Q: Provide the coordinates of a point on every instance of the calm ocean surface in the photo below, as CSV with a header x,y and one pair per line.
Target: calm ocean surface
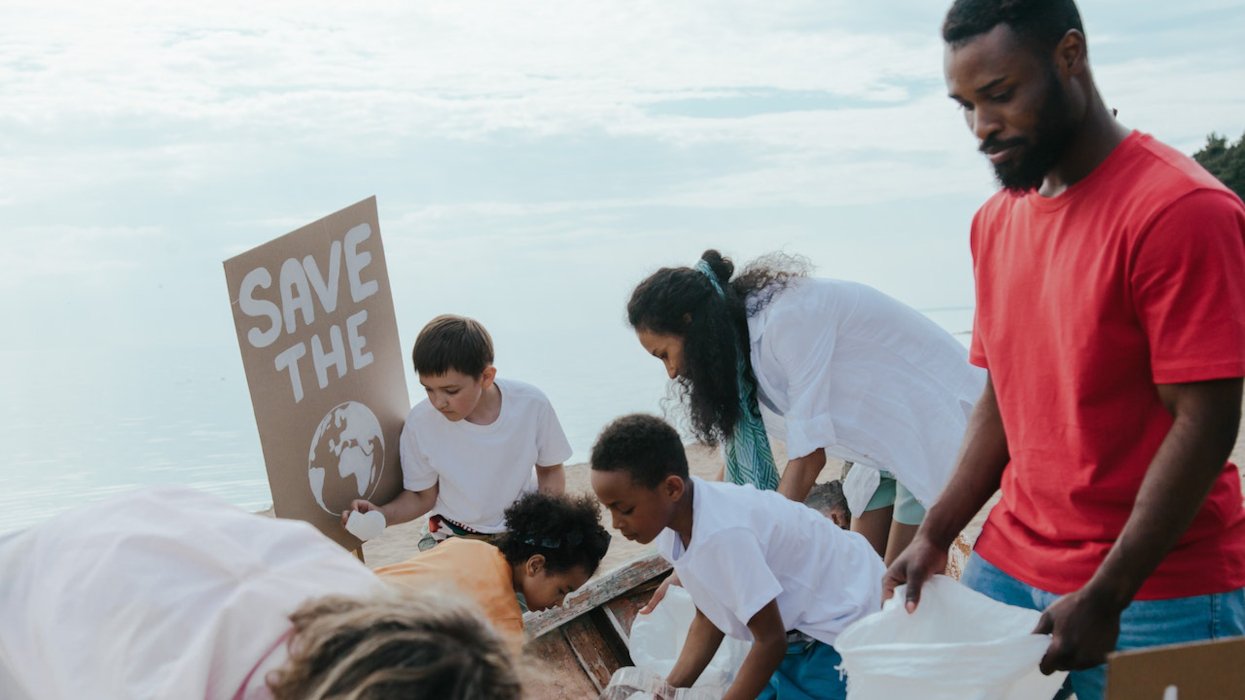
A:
x,y
167,414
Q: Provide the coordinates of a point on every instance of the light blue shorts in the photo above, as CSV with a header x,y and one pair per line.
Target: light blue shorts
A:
x,y
908,510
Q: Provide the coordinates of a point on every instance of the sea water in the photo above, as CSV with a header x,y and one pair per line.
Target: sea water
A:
x,y
79,425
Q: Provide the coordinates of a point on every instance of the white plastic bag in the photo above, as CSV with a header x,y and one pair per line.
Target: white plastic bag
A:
x,y
632,683
958,645
657,639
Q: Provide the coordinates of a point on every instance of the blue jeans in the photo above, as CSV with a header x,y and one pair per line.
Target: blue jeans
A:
x,y
1145,623
808,672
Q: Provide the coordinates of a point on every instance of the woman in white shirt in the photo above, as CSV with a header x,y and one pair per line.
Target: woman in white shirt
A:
x,y
171,593
854,374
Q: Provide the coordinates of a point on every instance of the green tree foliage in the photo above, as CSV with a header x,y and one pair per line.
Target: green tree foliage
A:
x,y
1225,161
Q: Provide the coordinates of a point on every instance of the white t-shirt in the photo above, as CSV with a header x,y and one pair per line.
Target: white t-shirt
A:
x,y
750,547
482,469
159,593
869,379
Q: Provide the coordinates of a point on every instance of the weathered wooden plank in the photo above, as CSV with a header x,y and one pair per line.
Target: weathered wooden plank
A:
x,y
603,590
596,649
623,634
624,609
551,670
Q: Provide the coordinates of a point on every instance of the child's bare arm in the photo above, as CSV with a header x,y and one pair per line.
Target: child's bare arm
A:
x,y
769,645
800,475
551,480
407,506
703,640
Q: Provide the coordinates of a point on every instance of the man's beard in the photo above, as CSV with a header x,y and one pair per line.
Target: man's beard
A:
x,y
1056,128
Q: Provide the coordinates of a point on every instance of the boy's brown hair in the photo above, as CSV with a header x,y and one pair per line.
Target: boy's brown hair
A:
x,y
451,342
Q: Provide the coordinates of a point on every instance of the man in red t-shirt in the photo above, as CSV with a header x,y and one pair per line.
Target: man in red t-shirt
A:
x,y
1110,276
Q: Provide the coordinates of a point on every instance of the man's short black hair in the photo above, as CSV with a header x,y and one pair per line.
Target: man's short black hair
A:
x,y
644,446
1043,23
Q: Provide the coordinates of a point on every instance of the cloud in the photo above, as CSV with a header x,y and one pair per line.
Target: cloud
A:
x,y
460,69
75,253
1180,99
838,100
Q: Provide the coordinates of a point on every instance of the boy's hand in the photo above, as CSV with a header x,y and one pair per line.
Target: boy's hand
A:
x,y
660,593
360,505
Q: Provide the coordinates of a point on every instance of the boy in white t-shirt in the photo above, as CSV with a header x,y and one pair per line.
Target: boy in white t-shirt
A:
x,y
475,444
758,566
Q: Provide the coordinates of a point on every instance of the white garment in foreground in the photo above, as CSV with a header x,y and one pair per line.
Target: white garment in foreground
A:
x,y
750,547
482,469
958,645
160,593
867,378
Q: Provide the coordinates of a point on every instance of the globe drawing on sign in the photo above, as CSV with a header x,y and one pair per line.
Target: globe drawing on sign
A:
x,y
347,456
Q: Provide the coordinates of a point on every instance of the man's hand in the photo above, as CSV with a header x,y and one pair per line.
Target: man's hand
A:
x,y
360,505
1083,628
660,593
1086,624
983,456
916,565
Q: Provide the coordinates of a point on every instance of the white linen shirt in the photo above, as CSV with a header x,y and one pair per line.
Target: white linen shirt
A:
x,y
160,593
482,469
751,547
865,377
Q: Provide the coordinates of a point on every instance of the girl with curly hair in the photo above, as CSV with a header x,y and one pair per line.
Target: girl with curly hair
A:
x,y
552,546
853,373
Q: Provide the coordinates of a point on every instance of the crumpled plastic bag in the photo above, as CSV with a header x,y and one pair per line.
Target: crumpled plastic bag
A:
x,y
633,683
657,639
958,645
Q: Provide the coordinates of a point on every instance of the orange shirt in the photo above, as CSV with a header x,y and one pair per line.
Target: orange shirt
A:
x,y
472,568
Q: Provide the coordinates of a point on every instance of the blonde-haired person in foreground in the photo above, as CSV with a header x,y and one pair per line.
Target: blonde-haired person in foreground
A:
x,y
170,593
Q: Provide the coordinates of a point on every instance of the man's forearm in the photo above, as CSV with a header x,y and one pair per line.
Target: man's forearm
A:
x,y
977,475
1190,458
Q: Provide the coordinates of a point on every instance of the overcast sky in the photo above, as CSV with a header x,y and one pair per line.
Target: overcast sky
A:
x,y
138,133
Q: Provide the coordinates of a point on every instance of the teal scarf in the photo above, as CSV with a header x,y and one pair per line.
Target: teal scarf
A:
x,y
749,459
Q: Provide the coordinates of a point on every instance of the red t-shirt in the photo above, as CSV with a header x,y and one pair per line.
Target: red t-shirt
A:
x,y
1135,276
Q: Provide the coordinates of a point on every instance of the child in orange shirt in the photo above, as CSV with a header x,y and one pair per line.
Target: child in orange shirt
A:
x,y
552,545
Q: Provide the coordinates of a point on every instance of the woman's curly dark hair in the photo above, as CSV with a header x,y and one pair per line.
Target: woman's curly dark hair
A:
x,y
681,301
565,529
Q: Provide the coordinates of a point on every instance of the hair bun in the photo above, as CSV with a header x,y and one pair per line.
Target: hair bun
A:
x,y
722,267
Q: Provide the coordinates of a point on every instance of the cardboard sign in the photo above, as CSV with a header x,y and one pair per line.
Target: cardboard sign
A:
x,y
1198,671
320,347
